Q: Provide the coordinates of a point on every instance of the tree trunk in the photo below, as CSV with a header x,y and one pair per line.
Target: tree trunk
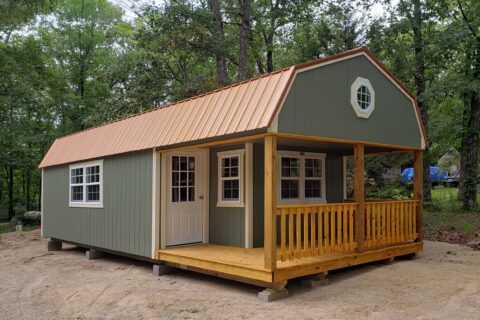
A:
x,y
269,43
244,36
28,182
420,86
219,33
470,139
11,211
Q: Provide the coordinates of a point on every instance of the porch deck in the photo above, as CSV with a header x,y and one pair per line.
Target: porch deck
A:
x,y
247,265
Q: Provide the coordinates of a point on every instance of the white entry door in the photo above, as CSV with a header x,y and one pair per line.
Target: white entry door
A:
x,y
184,198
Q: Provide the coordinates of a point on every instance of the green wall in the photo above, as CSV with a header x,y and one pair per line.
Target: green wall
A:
x,y
124,222
226,225
318,104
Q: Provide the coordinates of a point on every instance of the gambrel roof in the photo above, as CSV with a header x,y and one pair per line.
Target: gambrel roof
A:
x,y
241,109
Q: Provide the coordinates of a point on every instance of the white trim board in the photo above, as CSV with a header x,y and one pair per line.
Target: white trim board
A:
x,y
155,202
248,195
274,125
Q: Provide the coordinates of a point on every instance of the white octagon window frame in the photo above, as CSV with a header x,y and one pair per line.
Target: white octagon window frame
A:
x,y
362,113
84,203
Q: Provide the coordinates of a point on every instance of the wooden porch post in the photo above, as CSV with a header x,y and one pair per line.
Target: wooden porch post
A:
x,y
269,241
418,190
359,176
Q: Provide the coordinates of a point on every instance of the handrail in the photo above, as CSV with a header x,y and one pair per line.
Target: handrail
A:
x,y
318,229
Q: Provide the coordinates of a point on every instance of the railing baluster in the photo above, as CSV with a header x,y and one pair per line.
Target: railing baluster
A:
x,y
305,232
326,226
332,228
312,231
345,228
298,233
283,234
320,230
290,234
350,230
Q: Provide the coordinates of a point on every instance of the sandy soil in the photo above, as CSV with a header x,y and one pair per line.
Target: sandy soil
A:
x,y
442,283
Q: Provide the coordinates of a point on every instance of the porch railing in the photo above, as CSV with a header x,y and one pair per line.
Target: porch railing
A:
x,y
320,229
312,230
390,222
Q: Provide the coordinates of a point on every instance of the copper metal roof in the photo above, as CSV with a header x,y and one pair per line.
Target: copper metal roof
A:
x,y
243,107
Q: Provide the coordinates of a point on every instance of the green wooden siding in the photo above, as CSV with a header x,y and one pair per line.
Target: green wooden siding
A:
x,y
318,104
226,225
124,222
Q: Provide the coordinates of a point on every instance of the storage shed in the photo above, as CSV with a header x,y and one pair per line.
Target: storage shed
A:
x,y
246,182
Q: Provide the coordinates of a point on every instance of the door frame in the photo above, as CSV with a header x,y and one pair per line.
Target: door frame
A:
x,y
164,174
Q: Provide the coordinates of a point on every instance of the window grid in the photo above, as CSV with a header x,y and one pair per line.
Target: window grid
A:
x,y
230,178
183,179
363,97
301,177
85,184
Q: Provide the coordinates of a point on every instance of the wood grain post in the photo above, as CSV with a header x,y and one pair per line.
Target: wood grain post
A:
x,y
418,191
270,233
359,176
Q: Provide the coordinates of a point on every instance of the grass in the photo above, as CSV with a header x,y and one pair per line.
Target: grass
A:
x,y
4,228
445,220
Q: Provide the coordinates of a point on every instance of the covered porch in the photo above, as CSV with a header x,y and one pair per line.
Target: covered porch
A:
x,y
311,238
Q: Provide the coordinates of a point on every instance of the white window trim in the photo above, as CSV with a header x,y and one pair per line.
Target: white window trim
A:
x,y
359,81
240,203
85,203
302,178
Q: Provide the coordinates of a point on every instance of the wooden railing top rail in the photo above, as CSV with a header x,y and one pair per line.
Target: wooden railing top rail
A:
x,y
382,201
288,206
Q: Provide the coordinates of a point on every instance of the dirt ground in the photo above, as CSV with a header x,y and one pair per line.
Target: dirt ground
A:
x,y
442,283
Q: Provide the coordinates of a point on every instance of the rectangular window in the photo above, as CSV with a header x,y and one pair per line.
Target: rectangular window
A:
x,y
230,178
86,184
301,177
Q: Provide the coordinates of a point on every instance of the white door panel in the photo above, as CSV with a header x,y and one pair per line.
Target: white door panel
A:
x,y
184,198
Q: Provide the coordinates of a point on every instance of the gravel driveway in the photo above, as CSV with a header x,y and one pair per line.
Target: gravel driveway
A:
x,y
442,283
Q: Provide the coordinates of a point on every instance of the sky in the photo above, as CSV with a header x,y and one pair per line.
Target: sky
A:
x,y
377,10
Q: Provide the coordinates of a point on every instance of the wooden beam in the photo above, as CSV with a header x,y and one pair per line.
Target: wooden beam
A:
x,y
270,146
359,196
418,191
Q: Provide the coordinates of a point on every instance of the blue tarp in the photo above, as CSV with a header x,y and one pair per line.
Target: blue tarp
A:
x,y
436,174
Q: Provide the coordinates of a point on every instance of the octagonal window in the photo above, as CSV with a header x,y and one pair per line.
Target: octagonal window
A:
x,y
362,97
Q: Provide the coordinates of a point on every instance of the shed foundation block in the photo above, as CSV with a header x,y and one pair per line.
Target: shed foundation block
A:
x,y
389,260
315,280
93,254
54,245
269,295
161,269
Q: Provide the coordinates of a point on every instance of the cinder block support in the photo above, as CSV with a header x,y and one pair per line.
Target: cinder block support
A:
x,y
54,245
269,295
92,254
279,291
389,260
316,280
162,269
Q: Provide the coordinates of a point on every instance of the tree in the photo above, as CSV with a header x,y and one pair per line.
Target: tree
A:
x,y
470,143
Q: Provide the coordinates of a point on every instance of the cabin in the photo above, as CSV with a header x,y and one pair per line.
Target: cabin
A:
x,y
246,182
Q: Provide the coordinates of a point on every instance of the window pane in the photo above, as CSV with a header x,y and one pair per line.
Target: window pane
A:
x,y
290,167
191,163
76,176
312,188
77,193
313,168
93,192
183,194
231,190
183,163
191,178
191,194
93,174
234,161
175,195
175,163
225,172
175,179
234,172
289,189
183,178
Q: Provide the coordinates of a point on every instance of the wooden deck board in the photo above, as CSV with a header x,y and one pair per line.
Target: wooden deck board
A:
x,y
247,265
